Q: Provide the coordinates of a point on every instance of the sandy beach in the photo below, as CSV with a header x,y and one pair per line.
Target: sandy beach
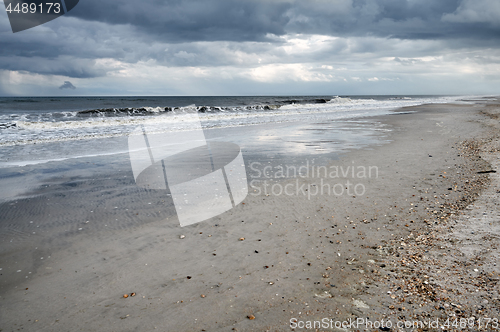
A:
x,y
402,229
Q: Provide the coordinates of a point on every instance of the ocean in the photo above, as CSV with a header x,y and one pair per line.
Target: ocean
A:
x,y
42,129
55,140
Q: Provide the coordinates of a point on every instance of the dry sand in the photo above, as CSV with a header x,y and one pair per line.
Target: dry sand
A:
x,y
398,251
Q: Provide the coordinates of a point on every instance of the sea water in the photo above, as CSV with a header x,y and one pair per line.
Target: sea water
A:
x,y
42,129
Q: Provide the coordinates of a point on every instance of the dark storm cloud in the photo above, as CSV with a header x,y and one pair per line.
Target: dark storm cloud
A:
x,y
192,20
64,66
404,19
208,33
198,20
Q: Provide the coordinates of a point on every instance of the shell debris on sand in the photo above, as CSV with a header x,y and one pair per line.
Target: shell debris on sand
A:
x,y
251,317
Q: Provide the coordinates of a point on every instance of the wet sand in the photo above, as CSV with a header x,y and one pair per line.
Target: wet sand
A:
x,y
381,254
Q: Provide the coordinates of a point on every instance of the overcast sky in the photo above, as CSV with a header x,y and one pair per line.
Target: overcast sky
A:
x,y
257,47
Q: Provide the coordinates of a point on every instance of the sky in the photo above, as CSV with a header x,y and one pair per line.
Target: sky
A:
x,y
256,47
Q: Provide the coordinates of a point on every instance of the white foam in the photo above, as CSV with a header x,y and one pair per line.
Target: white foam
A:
x,y
44,161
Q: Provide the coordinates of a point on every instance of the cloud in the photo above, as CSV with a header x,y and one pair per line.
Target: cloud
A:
x,y
213,46
409,19
194,20
256,20
67,85
476,11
